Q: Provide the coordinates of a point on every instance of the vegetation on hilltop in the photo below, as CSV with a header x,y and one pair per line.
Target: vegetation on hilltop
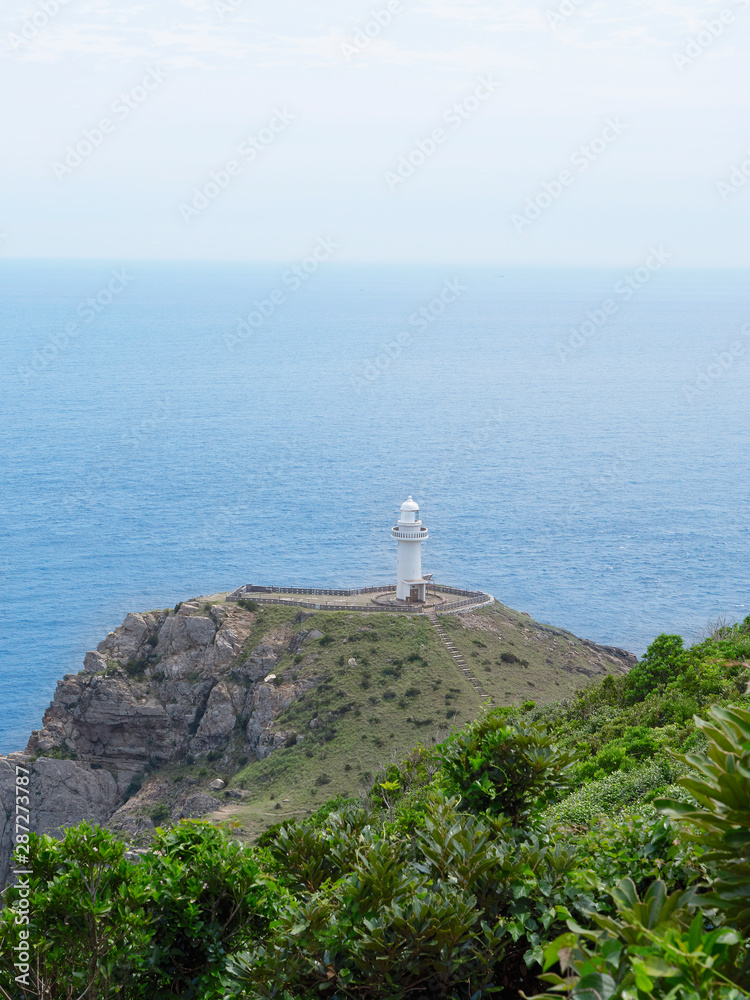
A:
x,y
594,848
405,689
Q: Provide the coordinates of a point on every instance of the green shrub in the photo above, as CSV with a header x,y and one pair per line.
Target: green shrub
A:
x,y
651,948
135,786
720,785
664,661
614,792
505,768
248,605
159,813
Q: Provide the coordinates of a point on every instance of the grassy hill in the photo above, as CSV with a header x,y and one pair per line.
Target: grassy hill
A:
x,y
403,689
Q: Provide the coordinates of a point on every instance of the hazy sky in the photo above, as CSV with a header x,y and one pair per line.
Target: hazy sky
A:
x,y
402,130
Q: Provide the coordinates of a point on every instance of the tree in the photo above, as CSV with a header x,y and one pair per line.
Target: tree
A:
x,y
505,768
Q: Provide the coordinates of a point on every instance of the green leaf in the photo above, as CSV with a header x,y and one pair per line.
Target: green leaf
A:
x,y
655,966
598,986
642,979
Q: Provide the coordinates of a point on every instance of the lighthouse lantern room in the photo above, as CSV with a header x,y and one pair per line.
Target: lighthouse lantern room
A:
x,y
409,532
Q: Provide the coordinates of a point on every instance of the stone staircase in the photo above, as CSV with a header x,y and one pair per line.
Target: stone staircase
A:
x,y
442,632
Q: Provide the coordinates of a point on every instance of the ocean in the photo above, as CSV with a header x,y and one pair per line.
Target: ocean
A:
x,y
577,440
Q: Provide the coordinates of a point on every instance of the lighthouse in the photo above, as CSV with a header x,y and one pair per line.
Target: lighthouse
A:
x,y
409,532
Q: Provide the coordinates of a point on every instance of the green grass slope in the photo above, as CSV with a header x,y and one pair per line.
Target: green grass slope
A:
x,y
517,658
405,690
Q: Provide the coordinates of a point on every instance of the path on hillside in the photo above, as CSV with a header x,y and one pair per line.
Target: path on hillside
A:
x,y
441,631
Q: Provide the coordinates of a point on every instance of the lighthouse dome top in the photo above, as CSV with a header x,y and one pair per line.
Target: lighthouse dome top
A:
x,y
409,505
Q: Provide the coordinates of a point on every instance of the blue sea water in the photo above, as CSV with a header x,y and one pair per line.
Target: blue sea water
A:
x,y
150,454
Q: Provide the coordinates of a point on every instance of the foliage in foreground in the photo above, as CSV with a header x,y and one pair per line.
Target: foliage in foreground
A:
x,y
690,945
530,848
102,926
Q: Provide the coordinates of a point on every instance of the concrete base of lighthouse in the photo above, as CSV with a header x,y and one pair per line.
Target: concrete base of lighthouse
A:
x,y
389,599
412,591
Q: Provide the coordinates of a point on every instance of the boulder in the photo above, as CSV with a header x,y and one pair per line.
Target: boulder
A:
x,y
94,662
201,631
219,718
198,805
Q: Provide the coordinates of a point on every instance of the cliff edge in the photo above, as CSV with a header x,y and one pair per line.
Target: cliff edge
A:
x,y
172,698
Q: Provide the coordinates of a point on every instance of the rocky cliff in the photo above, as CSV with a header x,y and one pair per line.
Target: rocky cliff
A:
x,y
168,687
173,699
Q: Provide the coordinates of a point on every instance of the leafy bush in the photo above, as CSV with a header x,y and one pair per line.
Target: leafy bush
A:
x,y
653,948
665,660
505,768
659,947
721,790
159,813
101,926
614,792
249,605
209,897
88,924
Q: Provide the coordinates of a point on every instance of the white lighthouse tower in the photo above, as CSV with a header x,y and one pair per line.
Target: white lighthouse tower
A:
x,y
411,586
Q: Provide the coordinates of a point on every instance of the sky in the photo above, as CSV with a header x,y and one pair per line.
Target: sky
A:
x,y
546,132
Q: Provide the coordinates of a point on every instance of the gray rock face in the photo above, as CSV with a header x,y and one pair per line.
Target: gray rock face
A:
x,y
62,793
220,717
155,690
94,663
198,805
163,688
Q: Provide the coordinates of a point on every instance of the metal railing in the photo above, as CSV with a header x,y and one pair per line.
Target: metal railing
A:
x,y
256,594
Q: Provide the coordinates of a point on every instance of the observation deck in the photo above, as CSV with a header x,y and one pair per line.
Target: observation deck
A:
x,y
409,534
